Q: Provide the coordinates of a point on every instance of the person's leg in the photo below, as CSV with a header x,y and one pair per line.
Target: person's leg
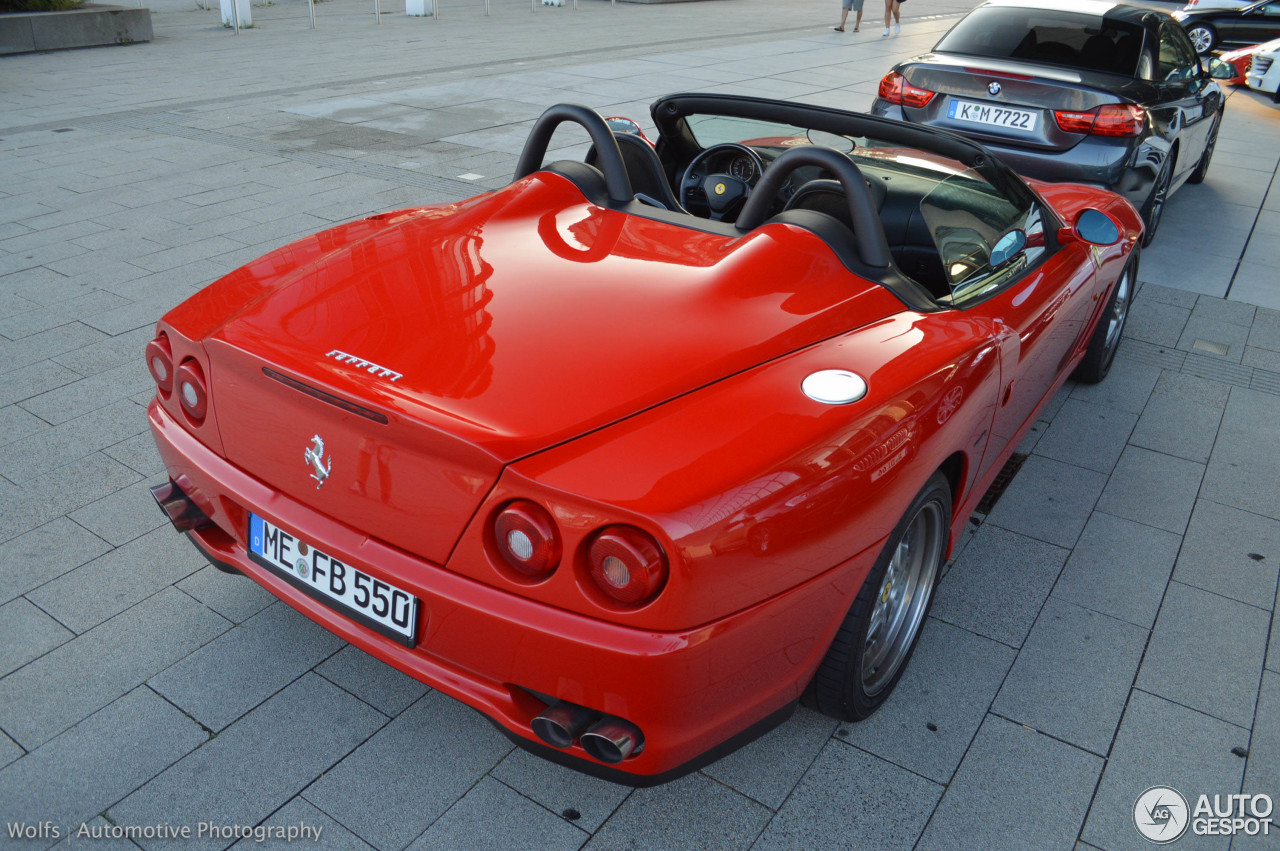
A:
x,y
857,22
888,14
844,14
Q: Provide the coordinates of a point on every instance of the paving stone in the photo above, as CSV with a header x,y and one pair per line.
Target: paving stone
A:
x,y
1182,416
1262,772
138,453
9,750
492,816
1152,488
1244,470
1073,675
52,495
125,515
257,765
88,768
1231,553
1265,331
75,680
50,450
1127,387
424,761
928,722
998,585
1206,653
1011,771
1088,435
1166,295
375,682
15,424
236,598
1120,568
559,789
1156,322
27,633
23,382
301,815
1221,310
85,597
37,347
32,559
244,666
1049,500
788,751
89,394
1162,744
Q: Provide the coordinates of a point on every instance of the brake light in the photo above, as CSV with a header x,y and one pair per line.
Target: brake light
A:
x,y
1111,119
895,89
627,564
193,394
526,538
160,362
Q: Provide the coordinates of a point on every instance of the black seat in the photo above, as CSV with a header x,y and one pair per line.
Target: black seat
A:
x,y
645,170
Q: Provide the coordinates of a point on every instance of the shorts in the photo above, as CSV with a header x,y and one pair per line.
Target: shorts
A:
x,y
851,4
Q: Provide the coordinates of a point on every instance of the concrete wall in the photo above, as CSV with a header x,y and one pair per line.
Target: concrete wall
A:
x,y
91,26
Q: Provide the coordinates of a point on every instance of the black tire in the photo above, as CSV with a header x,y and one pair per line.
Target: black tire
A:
x,y
840,685
1203,37
1202,167
1153,210
1106,337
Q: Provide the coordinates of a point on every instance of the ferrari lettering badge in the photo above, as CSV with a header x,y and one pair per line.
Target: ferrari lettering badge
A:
x,y
719,188
360,363
314,456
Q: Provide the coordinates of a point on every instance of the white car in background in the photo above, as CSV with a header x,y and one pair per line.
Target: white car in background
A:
x,y
1264,74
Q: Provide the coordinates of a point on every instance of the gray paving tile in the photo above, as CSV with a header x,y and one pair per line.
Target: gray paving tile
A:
x,y
78,678
1152,488
1182,416
125,515
258,764
22,382
928,722
61,445
236,598
88,768
997,586
27,633
892,807
1244,470
1166,295
787,750
1265,331
85,597
423,761
300,816
1206,653
1127,387
138,453
1232,553
16,423
1008,772
561,790
1162,744
9,750
1156,322
1049,500
245,665
1073,675
375,682
1262,772
1088,435
52,495
1120,568
493,816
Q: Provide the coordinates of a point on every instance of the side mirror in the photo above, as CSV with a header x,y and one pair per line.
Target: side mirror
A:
x,y
1096,227
1007,247
1220,70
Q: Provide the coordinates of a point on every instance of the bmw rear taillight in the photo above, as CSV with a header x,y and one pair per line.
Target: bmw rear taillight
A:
x,y
526,537
1110,119
895,89
193,393
627,564
160,362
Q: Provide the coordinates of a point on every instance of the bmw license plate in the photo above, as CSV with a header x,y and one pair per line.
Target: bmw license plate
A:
x,y
992,115
382,607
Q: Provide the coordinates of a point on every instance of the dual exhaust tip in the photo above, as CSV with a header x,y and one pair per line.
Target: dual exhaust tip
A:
x,y
605,737
184,514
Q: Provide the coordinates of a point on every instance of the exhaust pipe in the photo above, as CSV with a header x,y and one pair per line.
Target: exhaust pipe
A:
x,y
561,725
612,740
184,514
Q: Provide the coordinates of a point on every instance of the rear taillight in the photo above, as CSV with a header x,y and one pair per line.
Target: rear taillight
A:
x,y
526,537
895,89
193,393
1111,119
627,564
160,362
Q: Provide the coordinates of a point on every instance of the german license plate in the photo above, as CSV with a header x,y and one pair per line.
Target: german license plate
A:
x,y
992,115
378,605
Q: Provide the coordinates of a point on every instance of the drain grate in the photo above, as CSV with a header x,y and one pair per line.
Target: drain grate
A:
x,y
1002,480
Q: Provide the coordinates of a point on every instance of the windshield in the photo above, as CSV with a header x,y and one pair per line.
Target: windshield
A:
x,y
1070,39
711,130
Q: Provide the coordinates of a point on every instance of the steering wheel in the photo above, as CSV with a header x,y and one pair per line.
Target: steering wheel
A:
x,y
723,193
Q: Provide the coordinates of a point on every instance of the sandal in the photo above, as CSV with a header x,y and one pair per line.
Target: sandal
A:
x,y
838,29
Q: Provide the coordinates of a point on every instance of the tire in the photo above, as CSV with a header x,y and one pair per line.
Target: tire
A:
x,y
1203,38
1202,167
1106,337
879,633
1153,210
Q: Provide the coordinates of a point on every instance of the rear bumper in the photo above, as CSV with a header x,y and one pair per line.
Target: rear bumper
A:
x,y
695,694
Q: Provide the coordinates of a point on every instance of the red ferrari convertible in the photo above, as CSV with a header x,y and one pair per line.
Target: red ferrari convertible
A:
x,y
633,455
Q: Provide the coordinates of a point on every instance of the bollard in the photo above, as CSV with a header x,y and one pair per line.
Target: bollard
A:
x,y
377,11
235,16
311,7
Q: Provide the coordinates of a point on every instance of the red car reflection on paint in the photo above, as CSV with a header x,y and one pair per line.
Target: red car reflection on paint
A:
x,y
633,469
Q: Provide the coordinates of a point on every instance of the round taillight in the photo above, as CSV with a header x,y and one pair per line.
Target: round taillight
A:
x,y
526,538
193,394
627,563
160,363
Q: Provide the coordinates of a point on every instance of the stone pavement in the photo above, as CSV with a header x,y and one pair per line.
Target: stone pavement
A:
x,y
1110,626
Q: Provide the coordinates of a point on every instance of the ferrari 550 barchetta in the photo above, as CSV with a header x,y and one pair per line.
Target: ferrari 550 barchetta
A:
x,y
633,455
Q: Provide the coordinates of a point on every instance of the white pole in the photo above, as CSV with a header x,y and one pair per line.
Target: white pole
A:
x,y
377,11
235,15
311,7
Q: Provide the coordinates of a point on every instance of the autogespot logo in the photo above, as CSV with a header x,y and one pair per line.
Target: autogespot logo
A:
x,y
1160,814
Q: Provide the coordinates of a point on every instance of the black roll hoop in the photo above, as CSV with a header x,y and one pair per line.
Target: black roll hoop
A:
x,y
608,156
